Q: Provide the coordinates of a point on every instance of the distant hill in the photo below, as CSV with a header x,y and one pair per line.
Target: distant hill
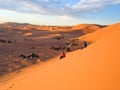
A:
x,y
27,26
84,28
88,28
15,24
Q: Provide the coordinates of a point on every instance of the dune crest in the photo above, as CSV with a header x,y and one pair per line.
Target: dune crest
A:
x,y
92,37
87,28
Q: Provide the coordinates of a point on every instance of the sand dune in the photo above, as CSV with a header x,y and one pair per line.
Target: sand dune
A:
x,y
100,33
27,34
87,28
96,67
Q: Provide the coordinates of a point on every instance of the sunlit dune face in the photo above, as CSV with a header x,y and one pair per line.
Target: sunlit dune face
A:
x,y
86,28
100,33
27,34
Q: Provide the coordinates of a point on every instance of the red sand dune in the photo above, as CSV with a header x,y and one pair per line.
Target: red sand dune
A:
x,y
87,28
27,34
96,67
101,33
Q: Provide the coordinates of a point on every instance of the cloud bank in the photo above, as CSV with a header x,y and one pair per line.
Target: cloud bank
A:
x,y
56,7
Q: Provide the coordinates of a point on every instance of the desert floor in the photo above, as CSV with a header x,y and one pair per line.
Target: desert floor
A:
x,y
95,67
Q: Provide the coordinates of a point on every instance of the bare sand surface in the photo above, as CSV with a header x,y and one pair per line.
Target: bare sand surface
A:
x,y
92,37
96,67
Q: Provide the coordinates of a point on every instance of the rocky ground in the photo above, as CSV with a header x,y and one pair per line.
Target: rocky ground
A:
x,y
47,43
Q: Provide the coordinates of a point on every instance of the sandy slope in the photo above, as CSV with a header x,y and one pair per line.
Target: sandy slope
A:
x,y
96,67
87,28
101,33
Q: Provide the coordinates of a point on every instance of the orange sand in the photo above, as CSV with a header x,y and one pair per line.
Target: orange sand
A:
x,y
96,67
101,33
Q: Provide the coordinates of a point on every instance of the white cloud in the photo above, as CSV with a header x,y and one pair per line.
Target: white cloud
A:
x,y
116,2
56,7
91,4
65,17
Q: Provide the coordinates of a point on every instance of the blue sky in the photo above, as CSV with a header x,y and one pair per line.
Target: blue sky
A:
x,y
60,12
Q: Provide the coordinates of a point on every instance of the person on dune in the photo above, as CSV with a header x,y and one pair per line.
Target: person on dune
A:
x,y
63,55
